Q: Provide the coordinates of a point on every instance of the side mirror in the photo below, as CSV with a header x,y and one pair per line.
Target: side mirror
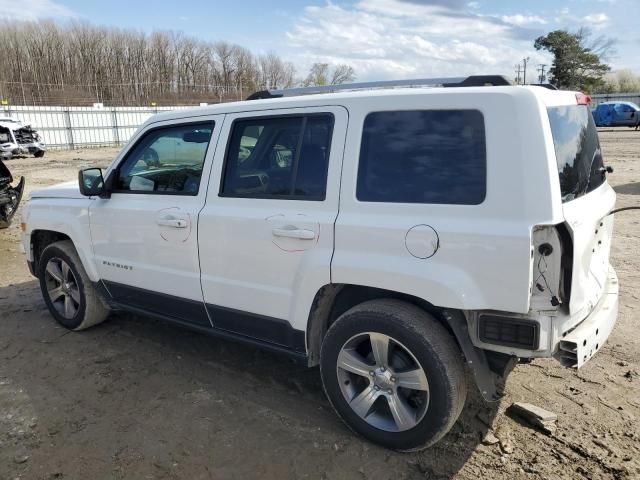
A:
x,y
91,182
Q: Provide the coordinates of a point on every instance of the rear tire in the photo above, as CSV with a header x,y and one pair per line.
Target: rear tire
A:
x,y
39,154
67,290
406,395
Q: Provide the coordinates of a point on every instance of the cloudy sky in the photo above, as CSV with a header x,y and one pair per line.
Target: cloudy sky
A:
x,y
382,39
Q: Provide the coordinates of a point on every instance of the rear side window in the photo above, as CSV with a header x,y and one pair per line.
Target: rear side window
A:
x,y
423,156
578,154
278,157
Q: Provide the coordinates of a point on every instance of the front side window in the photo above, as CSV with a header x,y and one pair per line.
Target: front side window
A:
x,y
578,155
423,156
166,161
278,157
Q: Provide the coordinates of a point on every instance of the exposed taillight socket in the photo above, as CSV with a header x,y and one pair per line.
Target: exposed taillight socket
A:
x,y
583,99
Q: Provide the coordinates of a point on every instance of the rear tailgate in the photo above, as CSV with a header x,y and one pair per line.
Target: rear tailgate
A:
x,y
587,200
591,229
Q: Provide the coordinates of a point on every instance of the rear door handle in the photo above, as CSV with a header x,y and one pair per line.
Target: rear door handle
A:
x,y
291,231
172,222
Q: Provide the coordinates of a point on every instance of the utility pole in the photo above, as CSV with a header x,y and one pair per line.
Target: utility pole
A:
x,y
24,98
518,72
524,76
542,76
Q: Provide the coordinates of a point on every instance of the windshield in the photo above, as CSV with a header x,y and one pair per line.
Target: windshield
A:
x,y
578,154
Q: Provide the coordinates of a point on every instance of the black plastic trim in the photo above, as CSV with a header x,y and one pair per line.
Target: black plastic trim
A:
x,y
258,327
489,382
510,322
299,357
481,81
267,332
190,311
262,94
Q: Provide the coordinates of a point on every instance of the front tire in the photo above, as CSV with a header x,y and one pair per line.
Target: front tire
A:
x,y
393,374
66,288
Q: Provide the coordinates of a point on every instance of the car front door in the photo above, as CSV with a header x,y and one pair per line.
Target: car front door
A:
x,y
145,235
266,232
622,114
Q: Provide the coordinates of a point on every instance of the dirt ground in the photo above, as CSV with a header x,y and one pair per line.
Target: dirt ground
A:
x,y
137,398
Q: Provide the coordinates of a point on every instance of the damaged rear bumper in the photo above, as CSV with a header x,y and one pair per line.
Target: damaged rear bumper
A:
x,y
581,343
14,150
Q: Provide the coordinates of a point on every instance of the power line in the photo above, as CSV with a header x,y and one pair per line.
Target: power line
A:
x,y
542,77
518,68
99,84
524,75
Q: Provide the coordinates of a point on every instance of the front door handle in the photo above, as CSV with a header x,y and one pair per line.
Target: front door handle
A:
x,y
172,222
291,231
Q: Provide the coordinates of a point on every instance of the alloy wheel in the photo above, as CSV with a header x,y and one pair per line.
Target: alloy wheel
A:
x,y
62,287
383,382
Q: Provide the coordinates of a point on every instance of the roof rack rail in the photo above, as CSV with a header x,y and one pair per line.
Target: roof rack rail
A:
x,y
550,86
471,81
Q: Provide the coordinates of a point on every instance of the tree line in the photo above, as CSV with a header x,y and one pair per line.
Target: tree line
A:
x,y
622,81
47,63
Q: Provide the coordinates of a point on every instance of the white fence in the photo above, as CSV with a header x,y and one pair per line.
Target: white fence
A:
x,y
73,127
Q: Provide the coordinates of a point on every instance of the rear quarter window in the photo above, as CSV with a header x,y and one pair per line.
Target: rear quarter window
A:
x,y
423,156
578,154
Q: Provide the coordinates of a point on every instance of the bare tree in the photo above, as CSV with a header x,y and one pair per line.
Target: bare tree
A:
x,y
318,75
274,72
321,74
343,73
604,47
77,63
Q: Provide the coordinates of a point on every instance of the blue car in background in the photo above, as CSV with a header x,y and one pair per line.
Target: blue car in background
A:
x,y
617,114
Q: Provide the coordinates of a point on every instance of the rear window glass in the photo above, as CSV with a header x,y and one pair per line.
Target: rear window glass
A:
x,y
423,156
578,154
283,157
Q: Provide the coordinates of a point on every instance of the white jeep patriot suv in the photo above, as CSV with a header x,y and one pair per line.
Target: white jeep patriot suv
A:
x,y
390,235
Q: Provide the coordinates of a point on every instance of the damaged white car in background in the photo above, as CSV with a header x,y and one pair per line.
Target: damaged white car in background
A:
x,y
17,138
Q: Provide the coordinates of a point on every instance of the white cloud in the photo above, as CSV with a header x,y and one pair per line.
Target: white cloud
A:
x,y
393,39
563,15
596,18
33,9
519,19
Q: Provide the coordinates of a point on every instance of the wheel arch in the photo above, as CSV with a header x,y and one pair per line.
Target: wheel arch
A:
x,y
333,300
41,238
489,369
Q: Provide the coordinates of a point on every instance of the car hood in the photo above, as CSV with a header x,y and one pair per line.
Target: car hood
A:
x,y
61,190
14,125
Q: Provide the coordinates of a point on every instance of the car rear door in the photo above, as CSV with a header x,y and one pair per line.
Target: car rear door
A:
x,y
266,232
